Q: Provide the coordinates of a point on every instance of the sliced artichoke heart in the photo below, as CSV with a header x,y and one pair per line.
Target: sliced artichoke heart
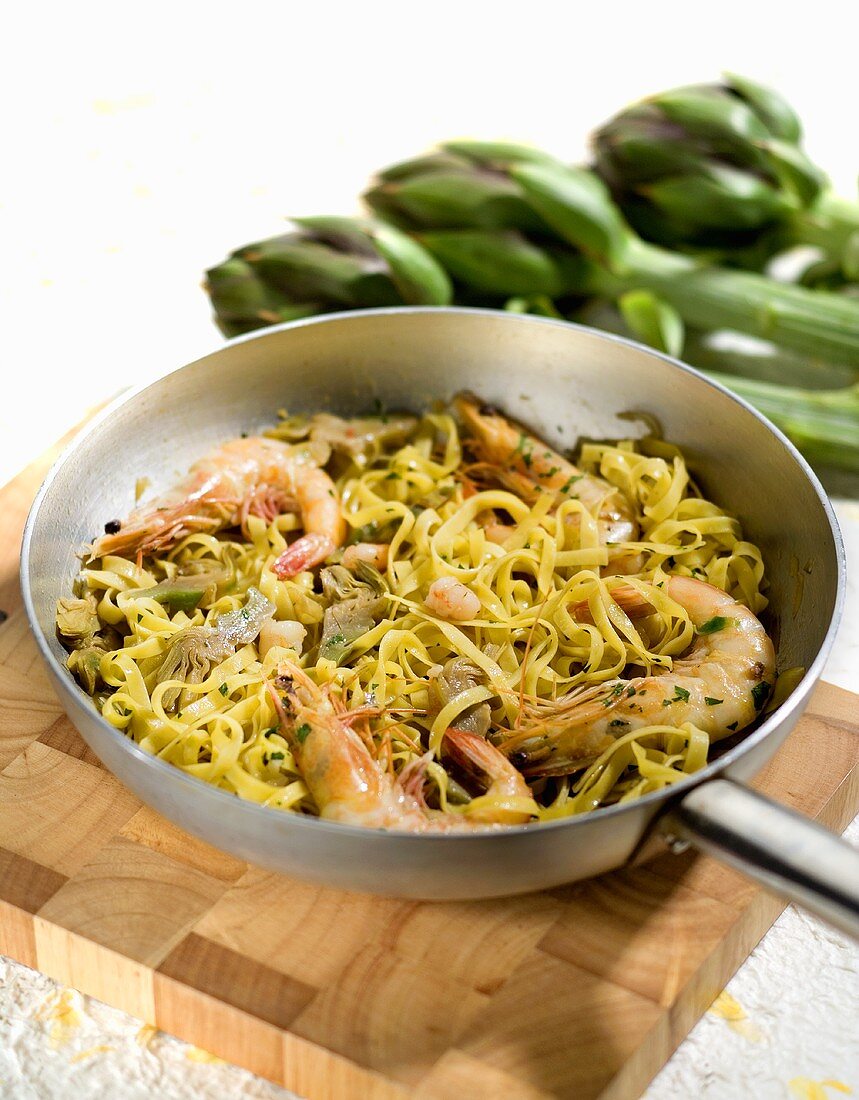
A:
x,y
358,603
194,651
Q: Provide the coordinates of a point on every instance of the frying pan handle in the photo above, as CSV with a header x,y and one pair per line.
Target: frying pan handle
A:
x,y
792,856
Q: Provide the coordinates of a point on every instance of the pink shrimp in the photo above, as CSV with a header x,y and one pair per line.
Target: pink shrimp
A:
x,y
373,553
482,761
349,785
527,466
720,685
305,553
255,476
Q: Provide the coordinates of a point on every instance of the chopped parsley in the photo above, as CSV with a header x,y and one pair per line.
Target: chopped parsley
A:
x,y
712,626
681,695
618,722
733,725
618,689
711,702
760,694
302,731
366,533
392,476
271,729
565,488
630,691
223,689
276,756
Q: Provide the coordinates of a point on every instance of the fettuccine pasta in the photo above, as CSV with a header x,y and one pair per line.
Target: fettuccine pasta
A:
x,y
497,635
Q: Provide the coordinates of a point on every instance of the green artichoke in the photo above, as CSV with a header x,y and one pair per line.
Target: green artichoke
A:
x,y
822,419
683,182
720,166
519,223
326,264
464,185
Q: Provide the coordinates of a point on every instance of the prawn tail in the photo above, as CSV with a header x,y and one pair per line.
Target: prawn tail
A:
x,y
475,755
508,799
305,553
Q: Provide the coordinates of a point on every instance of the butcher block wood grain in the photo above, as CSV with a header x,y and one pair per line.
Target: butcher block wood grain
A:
x,y
582,992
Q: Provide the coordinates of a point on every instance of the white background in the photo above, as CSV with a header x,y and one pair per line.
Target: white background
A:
x,y
142,143
145,141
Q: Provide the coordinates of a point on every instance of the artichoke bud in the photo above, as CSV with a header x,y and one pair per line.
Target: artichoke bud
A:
x,y
464,186
707,164
323,264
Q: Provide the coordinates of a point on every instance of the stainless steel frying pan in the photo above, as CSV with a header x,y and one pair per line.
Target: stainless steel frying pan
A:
x,y
566,382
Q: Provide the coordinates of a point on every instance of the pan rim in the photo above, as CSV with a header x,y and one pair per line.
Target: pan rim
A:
x,y
649,802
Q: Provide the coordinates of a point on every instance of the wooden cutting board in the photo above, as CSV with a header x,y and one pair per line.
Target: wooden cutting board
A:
x,y
582,991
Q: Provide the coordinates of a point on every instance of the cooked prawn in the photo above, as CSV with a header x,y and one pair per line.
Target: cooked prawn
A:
x,y
350,786
244,476
373,553
506,785
720,686
450,599
283,632
305,553
526,465
498,532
